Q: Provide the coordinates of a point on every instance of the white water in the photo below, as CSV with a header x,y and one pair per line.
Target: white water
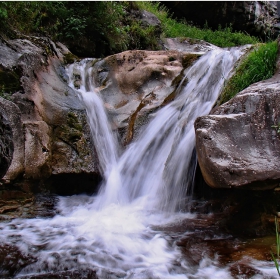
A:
x,y
142,187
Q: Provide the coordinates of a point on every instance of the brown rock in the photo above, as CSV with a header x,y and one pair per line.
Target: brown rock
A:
x,y
134,84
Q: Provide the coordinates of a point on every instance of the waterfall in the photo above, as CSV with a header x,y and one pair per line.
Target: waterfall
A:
x,y
119,233
157,166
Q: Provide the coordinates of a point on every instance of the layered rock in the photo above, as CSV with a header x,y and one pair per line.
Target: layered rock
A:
x,y
237,144
258,18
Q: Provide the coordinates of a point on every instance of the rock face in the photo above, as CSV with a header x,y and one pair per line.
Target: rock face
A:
x,y
6,143
237,144
133,84
12,134
44,123
258,18
49,131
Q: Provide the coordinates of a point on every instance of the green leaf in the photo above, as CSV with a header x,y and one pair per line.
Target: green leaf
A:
x,y
276,263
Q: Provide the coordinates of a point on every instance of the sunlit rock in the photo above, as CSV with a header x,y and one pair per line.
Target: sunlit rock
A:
x,y
135,83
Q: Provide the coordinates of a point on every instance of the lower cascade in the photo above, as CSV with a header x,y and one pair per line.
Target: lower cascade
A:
x,y
119,233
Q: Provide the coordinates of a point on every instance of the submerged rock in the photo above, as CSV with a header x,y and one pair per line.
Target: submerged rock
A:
x,y
237,144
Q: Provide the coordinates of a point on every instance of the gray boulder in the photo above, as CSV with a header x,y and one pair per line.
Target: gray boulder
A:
x,y
237,144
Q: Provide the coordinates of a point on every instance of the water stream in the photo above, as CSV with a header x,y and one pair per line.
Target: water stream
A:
x,y
123,231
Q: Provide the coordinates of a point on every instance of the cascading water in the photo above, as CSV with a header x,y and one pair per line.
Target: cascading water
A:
x,y
113,233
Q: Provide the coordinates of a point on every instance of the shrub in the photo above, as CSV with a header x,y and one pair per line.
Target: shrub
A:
x,y
105,27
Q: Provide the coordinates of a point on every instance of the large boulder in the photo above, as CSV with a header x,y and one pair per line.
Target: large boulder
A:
x,y
50,135
238,145
133,84
258,18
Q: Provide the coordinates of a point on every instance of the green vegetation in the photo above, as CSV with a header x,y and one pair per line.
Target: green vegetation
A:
x,y
101,28
277,127
98,23
106,26
276,259
172,28
257,66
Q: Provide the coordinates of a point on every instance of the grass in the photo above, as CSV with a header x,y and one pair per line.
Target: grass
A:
x,y
276,259
257,66
173,28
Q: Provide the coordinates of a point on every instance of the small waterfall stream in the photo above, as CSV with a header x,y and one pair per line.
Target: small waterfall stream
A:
x,y
115,232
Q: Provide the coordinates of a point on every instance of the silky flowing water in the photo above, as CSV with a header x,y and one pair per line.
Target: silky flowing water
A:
x,y
131,228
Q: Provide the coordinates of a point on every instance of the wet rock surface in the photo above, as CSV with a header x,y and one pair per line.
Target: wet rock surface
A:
x,y
229,229
39,205
71,274
203,239
12,261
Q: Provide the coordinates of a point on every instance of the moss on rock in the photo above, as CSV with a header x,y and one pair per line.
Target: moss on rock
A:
x,y
69,58
189,59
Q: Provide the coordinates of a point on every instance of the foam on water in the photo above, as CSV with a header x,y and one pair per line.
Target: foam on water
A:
x,y
114,232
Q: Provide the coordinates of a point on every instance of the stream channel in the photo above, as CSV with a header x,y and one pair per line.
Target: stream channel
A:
x,y
139,225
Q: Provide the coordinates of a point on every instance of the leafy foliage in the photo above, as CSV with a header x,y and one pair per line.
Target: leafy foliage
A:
x,y
3,11
259,65
97,22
